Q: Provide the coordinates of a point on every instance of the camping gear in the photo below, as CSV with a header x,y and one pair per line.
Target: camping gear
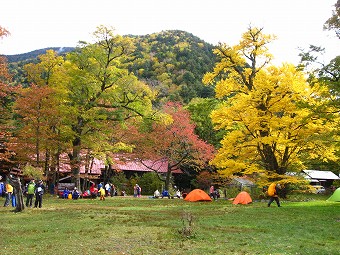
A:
x,y
272,190
242,198
197,195
336,196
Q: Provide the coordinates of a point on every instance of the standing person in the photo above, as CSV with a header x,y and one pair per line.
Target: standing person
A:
x,y
135,190
273,194
93,190
113,190
138,190
39,191
107,189
30,193
9,193
212,192
102,193
2,187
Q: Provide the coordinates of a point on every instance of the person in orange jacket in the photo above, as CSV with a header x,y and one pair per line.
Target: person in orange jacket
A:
x,y
9,194
273,194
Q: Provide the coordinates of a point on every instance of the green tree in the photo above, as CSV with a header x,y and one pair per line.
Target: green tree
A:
x,y
101,93
266,111
327,76
200,110
333,23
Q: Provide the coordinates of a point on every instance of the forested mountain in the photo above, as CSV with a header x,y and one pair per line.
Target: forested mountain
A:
x,y
34,54
172,61
17,62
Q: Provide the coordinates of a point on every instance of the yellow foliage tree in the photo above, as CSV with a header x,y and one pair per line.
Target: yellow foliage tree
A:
x,y
266,111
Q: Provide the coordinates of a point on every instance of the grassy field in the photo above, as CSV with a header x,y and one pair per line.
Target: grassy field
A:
x,y
124,225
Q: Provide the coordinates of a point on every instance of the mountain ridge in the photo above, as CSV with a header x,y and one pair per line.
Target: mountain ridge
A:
x,y
173,61
35,53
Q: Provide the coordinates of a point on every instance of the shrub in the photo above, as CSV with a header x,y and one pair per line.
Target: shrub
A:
x,y
120,181
149,183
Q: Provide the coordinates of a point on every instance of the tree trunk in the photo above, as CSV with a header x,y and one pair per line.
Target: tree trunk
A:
x,y
76,162
15,182
270,158
47,167
168,178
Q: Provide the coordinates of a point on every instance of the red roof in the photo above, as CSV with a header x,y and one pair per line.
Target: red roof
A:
x,y
97,165
161,166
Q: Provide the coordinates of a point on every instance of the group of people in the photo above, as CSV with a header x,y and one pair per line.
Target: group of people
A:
x,y
214,193
101,190
166,193
36,190
68,194
8,191
137,191
104,190
32,190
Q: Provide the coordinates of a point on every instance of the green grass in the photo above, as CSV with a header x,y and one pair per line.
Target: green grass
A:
x,y
124,225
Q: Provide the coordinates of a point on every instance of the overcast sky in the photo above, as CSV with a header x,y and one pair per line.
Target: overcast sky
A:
x,y
36,24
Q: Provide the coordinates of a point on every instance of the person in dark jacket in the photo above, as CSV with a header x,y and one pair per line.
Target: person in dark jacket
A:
x,y
39,191
75,193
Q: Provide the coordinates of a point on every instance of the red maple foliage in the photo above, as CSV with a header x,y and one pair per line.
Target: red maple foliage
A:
x,y
6,98
176,143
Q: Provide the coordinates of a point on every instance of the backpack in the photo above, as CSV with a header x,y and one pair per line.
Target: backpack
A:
x,y
271,190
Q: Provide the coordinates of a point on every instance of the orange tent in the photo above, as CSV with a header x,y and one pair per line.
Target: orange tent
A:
x,y
197,195
242,198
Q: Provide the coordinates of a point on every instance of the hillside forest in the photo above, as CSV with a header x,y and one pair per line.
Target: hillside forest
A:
x,y
213,111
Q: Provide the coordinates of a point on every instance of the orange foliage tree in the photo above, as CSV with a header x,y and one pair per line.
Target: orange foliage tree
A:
x,y
6,99
174,142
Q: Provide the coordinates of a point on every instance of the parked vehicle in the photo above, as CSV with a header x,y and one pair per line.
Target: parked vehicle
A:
x,y
318,189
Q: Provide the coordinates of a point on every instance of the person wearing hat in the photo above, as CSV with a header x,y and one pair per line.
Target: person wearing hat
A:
x,y
39,191
75,193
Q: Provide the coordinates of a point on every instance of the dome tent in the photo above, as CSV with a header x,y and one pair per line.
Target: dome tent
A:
x,y
336,196
242,198
197,195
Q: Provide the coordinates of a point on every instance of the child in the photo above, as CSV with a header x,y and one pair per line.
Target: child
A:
x,y
102,193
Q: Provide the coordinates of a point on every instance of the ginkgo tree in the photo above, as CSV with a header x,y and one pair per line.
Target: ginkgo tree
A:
x,y
266,111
